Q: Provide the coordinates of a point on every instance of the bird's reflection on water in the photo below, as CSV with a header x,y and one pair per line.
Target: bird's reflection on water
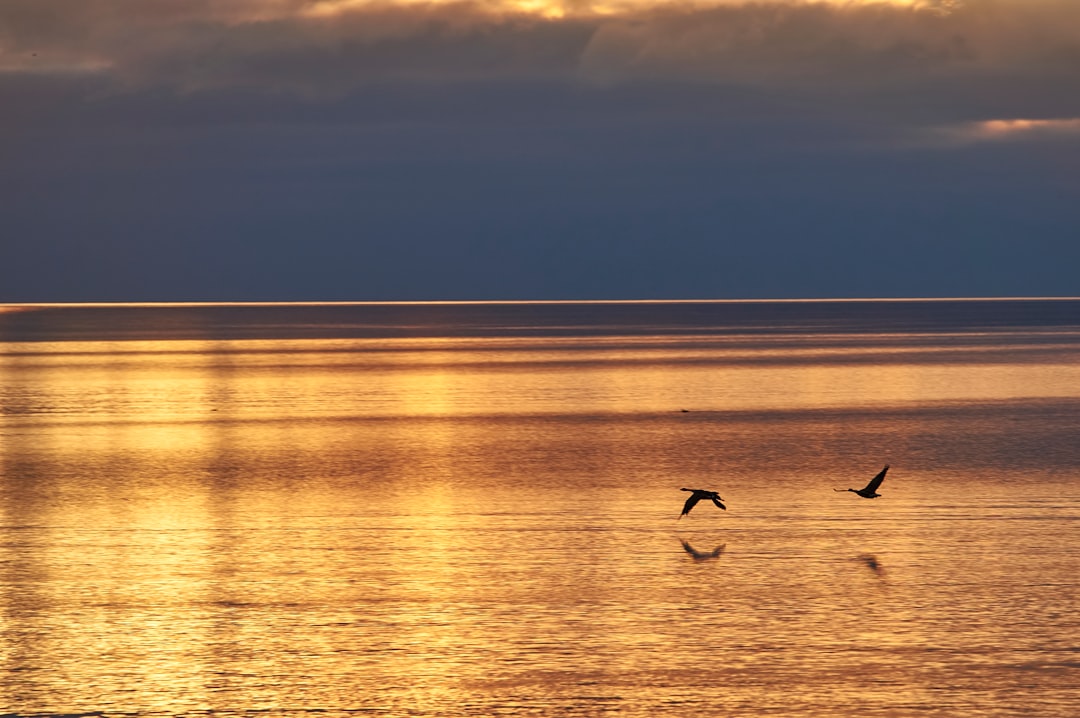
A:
x,y
702,555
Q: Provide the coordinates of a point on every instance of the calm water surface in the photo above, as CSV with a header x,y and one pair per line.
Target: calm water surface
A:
x,y
470,509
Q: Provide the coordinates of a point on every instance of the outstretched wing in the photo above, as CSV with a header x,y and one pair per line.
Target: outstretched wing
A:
x,y
875,482
718,504
690,503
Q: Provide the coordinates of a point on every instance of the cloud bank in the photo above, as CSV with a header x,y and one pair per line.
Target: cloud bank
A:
x,y
311,46
340,149
916,68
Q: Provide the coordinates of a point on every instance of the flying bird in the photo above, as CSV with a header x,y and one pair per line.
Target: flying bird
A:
x,y
870,490
702,555
697,495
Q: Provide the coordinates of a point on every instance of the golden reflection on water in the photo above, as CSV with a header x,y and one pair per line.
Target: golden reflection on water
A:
x,y
475,527
254,380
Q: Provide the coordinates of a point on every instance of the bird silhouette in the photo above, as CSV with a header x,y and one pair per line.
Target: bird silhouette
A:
x,y
873,564
702,555
870,490
697,495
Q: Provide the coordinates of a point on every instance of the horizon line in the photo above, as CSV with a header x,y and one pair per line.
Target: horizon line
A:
x,y
417,302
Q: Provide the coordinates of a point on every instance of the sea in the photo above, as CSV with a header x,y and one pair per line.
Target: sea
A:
x,y
474,509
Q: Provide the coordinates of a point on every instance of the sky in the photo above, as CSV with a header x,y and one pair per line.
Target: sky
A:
x,y
337,150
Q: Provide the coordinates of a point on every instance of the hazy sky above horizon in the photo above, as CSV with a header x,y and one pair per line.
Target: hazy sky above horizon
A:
x,y
354,150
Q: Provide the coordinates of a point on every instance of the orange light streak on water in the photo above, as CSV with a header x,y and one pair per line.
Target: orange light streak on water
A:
x,y
414,525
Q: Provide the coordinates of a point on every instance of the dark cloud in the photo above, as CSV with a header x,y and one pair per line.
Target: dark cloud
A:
x,y
280,45
262,150
848,44
926,65
201,46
